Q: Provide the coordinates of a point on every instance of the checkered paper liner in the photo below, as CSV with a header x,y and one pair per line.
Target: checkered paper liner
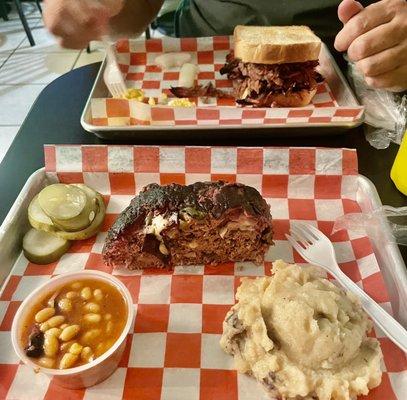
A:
x,y
173,349
137,61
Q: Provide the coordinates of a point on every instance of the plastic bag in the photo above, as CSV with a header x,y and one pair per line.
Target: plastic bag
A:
x,y
385,112
374,223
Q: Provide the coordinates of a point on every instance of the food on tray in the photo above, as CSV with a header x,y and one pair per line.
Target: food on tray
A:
x,y
187,75
162,98
43,247
134,94
69,207
274,65
62,212
181,103
170,60
74,325
200,91
202,223
37,217
301,336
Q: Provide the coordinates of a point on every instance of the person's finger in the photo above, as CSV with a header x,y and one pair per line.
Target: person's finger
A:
x,y
394,80
68,43
347,9
374,15
114,6
376,40
87,14
384,61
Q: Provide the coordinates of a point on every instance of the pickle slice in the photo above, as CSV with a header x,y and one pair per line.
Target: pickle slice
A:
x,y
87,215
37,217
62,202
43,247
92,229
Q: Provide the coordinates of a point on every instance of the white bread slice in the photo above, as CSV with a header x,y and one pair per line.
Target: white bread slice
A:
x,y
276,44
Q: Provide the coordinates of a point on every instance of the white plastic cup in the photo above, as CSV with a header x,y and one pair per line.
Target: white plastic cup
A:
x,y
85,375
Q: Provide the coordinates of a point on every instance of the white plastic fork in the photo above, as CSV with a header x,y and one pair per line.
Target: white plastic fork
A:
x,y
318,250
112,75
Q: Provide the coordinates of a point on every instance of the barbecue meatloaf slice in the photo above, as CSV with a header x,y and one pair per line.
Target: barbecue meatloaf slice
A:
x,y
202,223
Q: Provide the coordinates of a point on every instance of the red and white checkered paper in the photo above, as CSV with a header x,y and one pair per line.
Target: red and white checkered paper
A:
x,y
137,61
173,349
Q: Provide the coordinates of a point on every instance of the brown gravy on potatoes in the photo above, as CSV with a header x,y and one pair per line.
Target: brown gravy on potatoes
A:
x,y
86,319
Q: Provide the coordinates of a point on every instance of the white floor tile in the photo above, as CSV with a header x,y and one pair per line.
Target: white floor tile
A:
x,y
12,33
7,135
36,67
44,42
3,57
16,101
93,57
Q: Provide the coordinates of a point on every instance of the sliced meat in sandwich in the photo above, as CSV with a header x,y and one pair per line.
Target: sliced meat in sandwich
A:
x,y
274,66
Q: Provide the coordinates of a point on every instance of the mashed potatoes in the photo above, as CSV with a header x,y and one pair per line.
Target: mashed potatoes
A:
x,y
301,336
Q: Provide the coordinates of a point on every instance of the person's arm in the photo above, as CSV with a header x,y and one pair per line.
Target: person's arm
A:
x,y
134,17
375,38
77,22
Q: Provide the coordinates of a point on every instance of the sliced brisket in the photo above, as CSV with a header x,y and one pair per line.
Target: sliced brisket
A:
x,y
255,84
200,91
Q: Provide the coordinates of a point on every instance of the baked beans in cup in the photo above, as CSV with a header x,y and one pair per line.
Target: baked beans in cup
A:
x,y
73,328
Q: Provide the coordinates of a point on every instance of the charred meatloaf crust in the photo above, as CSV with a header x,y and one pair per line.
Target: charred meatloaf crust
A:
x,y
202,223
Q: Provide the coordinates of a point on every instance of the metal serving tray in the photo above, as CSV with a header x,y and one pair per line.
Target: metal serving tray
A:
x,y
387,253
336,81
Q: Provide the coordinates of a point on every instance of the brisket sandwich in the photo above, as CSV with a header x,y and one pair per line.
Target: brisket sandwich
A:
x,y
202,223
274,66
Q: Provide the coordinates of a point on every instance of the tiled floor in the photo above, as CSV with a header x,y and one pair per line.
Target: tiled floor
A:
x,y
25,70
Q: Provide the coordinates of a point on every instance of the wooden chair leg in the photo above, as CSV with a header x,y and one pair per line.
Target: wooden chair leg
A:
x,y
3,10
39,5
24,22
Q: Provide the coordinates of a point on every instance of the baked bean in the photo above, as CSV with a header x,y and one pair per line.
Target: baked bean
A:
x,y
109,327
100,349
76,349
65,305
107,317
44,314
86,293
92,308
87,354
63,326
92,318
98,294
103,346
54,332
52,322
71,295
69,332
76,285
46,362
90,335
50,345
66,346
68,360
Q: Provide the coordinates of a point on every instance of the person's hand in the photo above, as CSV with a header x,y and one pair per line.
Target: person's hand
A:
x,y
77,22
375,38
